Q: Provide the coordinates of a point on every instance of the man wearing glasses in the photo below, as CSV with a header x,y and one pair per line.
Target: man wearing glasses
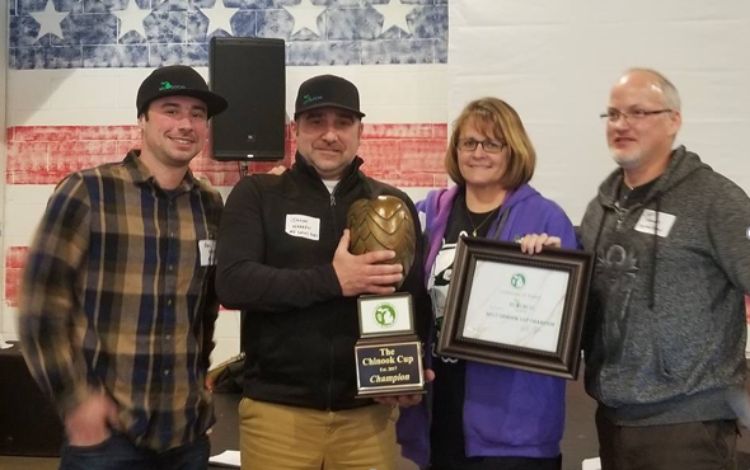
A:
x,y
665,337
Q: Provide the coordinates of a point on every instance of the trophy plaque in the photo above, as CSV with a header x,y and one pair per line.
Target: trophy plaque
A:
x,y
388,353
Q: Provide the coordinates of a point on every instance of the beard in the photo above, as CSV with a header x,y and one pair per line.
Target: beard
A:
x,y
627,161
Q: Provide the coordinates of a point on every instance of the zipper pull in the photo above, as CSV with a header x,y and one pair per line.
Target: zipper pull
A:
x,y
620,215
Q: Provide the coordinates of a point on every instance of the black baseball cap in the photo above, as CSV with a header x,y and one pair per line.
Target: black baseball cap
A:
x,y
178,80
327,90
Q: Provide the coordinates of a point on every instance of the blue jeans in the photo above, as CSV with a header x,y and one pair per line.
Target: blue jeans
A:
x,y
119,453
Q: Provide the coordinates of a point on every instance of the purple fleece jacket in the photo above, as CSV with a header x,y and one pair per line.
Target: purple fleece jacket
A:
x,y
507,412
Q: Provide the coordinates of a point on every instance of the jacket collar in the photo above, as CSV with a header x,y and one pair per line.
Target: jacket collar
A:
x,y
350,176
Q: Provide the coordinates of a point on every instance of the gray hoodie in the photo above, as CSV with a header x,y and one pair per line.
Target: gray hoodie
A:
x,y
665,331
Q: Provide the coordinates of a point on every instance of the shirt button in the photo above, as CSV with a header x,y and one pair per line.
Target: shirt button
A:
x,y
166,372
169,302
167,337
170,267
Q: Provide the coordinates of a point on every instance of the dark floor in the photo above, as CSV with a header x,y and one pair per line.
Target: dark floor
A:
x,y
579,441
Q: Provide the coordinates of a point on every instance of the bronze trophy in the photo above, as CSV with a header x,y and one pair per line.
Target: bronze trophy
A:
x,y
388,353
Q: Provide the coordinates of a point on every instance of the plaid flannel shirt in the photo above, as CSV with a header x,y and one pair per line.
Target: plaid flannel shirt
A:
x,y
115,298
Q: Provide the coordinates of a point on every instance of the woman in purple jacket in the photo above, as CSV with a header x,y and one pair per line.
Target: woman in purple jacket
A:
x,y
486,417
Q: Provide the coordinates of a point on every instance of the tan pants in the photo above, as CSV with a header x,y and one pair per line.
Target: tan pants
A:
x,y
282,437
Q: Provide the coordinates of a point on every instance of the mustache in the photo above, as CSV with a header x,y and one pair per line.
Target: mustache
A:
x,y
336,147
184,135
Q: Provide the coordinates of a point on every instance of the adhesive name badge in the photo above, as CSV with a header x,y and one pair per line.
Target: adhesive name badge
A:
x,y
303,226
647,223
207,250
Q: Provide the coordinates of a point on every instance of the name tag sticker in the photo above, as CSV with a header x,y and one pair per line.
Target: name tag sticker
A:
x,y
207,250
303,226
647,223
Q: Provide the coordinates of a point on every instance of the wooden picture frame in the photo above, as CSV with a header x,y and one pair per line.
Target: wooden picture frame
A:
x,y
508,308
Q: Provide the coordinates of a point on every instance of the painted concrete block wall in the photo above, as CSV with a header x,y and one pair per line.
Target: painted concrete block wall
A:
x,y
555,62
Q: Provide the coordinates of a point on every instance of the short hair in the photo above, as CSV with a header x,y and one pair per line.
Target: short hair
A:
x,y
671,95
495,118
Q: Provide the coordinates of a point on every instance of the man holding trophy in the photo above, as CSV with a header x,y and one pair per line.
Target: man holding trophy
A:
x,y
310,291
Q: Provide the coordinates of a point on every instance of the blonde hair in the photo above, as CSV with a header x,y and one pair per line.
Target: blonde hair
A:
x,y
497,119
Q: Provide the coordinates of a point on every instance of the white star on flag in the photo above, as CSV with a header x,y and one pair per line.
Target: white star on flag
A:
x,y
49,20
305,16
131,19
219,17
394,14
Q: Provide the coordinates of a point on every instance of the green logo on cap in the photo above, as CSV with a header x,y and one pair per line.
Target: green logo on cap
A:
x,y
385,314
165,86
307,99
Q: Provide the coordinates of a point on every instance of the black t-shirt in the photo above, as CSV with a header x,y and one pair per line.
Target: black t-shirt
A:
x,y
629,197
447,432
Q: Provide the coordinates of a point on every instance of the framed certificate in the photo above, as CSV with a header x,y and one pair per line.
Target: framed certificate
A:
x,y
509,308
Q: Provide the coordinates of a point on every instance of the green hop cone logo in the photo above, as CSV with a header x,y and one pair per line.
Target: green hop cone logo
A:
x,y
307,99
518,280
385,314
165,86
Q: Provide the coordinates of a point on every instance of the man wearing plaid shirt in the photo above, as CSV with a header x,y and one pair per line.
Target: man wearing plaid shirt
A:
x,y
117,306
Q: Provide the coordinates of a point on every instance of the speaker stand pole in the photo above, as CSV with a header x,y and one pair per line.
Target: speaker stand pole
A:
x,y
243,167
244,171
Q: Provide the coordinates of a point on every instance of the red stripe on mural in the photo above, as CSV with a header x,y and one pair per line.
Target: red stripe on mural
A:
x,y
405,155
15,259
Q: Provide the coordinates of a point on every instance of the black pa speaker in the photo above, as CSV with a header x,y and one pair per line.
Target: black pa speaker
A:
x,y
250,74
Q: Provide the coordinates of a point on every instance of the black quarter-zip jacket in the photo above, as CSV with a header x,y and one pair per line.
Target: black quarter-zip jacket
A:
x,y
275,250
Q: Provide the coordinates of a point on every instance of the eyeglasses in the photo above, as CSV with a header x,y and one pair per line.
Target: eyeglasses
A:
x,y
489,146
614,115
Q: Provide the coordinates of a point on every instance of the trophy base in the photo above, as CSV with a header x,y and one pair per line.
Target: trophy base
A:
x,y
389,366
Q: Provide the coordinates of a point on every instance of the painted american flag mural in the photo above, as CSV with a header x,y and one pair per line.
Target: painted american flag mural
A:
x,y
74,67
54,34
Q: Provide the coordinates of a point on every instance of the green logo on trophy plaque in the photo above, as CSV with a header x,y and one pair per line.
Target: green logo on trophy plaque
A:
x,y
385,315
388,353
